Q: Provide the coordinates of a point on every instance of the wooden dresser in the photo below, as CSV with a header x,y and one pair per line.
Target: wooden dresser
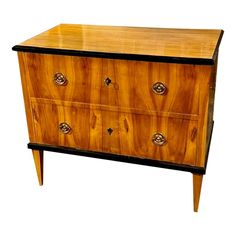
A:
x,y
137,95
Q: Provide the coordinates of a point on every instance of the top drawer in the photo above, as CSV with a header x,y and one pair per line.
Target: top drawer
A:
x,y
124,83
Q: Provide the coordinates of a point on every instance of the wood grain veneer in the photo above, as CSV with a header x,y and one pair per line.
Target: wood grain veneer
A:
x,y
132,133
161,42
131,84
91,90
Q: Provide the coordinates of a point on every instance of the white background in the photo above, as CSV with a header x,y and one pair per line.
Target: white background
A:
x,y
85,196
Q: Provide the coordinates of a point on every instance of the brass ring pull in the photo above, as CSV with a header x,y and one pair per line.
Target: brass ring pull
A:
x,y
107,81
64,128
60,79
159,88
158,139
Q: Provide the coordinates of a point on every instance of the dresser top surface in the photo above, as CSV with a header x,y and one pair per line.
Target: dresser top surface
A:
x,y
158,44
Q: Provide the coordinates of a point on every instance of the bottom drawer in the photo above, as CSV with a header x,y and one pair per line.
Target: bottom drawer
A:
x,y
144,136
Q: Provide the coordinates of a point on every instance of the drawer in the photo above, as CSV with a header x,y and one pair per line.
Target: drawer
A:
x,y
144,136
166,87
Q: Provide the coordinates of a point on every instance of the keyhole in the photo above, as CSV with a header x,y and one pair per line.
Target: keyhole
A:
x,y
107,81
110,130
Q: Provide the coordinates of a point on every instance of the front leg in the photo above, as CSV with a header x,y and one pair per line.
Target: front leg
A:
x,y
38,161
197,185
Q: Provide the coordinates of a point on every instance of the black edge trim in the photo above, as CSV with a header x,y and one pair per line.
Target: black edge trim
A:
x,y
116,157
137,57
209,144
218,45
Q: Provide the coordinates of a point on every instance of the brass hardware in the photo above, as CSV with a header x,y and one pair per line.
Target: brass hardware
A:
x,y
159,88
109,130
60,79
64,128
158,139
107,81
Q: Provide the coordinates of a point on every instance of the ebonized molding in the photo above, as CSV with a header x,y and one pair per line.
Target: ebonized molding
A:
x,y
122,56
115,157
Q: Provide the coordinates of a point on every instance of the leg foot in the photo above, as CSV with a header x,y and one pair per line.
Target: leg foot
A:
x,y
197,185
38,161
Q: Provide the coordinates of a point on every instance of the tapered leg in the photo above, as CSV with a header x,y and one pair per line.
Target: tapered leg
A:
x,y
38,161
197,185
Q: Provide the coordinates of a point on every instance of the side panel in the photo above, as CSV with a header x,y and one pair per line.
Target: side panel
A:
x,y
25,87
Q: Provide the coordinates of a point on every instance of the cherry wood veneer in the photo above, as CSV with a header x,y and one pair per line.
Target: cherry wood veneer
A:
x,y
134,93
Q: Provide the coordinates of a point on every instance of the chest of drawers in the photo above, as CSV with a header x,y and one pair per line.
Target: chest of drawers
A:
x,y
137,95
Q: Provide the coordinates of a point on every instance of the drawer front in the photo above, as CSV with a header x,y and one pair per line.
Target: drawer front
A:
x,y
144,136
131,84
